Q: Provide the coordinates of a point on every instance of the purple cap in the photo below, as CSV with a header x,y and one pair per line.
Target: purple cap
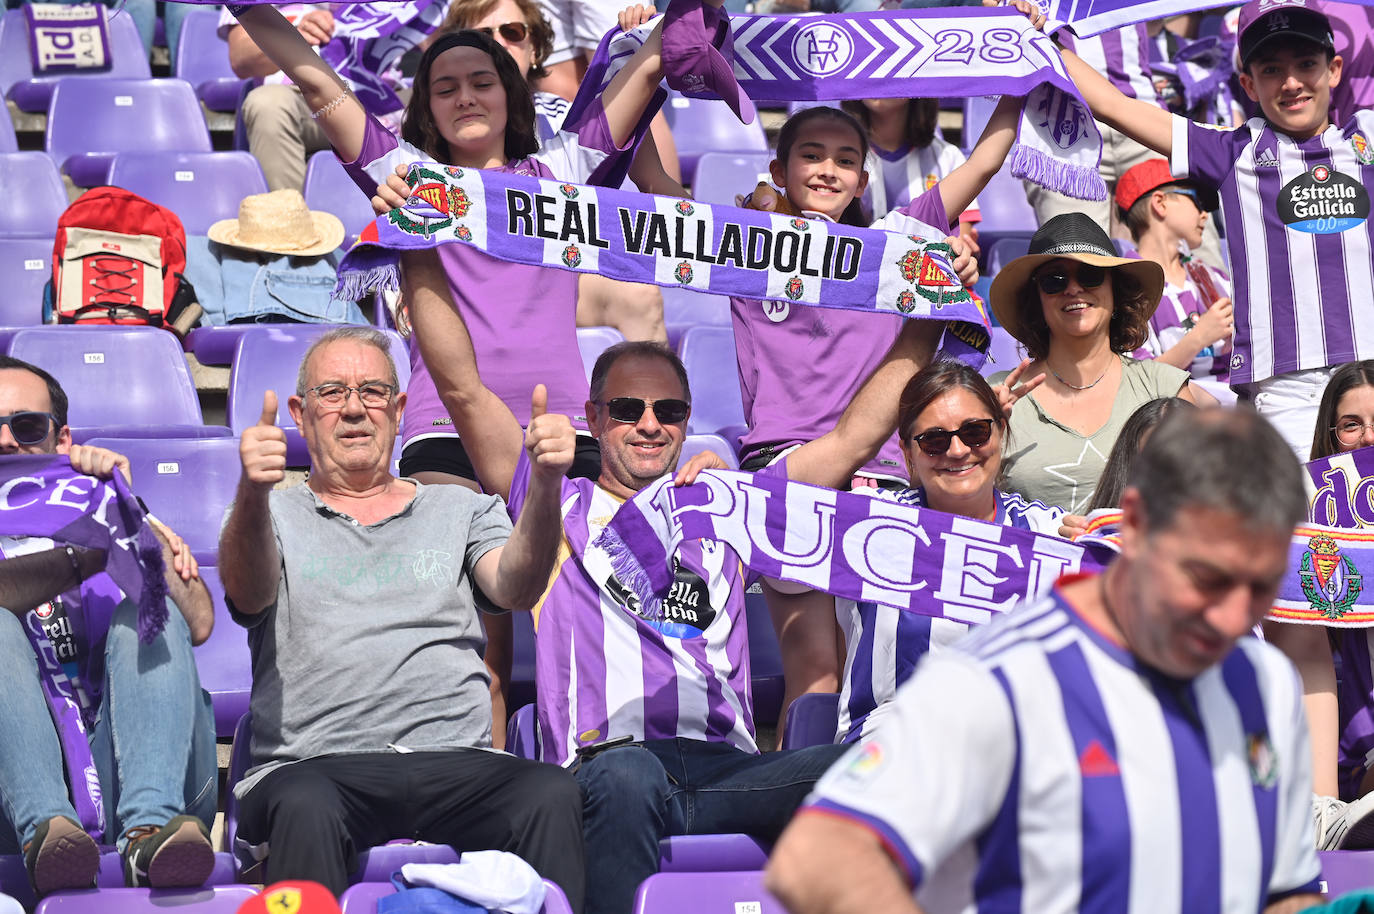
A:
x,y
1263,20
692,34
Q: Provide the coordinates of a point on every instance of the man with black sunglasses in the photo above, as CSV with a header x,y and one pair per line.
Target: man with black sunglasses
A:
x,y
651,711
159,789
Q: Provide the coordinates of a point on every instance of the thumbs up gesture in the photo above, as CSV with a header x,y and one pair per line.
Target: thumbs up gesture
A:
x,y
549,440
262,447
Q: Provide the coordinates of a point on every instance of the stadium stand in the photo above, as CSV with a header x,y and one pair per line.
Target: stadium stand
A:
x,y
329,188
26,264
363,898
200,187
726,174
679,893
32,214
32,93
203,61
702,126
90,121
709,356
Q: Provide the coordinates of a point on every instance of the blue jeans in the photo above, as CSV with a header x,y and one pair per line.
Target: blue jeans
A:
x,y
153,743
634,795
173,15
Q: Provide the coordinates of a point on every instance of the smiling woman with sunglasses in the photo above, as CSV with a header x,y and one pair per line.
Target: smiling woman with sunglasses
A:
x,y
1078,309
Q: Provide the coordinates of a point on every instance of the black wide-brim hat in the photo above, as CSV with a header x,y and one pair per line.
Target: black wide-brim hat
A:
x,y
1068,236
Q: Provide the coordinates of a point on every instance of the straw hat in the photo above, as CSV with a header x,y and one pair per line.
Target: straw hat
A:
x,y
280,223
1068,236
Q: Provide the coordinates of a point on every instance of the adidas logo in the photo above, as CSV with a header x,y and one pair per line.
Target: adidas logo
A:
x,y
1267,159
1095,762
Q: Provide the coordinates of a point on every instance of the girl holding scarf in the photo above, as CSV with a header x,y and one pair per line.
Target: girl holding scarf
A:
x,y
799,366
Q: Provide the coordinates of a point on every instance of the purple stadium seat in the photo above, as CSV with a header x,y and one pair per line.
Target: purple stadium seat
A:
x,y
362,898
26,264
765,659
200,187
202,59
123,382
700,126
1346,871
709,355
34,213
684,308
186,482
330,189
8,141
90,121
267,358
522,733
522,661
592,341
688,893
223,661
725,174
14,879
812,720
695,444
1004,353
224,899
1006,249
1004,207
32,93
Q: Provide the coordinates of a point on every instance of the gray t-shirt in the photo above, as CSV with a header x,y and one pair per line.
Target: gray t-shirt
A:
x,y
1045,460
374,641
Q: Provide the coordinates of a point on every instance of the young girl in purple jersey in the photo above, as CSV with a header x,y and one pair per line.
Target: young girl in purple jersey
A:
x,y
907,157
799,367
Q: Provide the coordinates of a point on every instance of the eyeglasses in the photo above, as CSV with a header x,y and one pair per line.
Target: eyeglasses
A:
x,y
631,409
514,32
974,433
1052,282
1348,431
374,395
28,427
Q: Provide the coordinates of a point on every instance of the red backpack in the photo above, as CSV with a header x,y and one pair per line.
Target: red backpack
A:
x,y
118,259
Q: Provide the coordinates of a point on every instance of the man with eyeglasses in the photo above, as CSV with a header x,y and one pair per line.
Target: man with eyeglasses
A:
x,y
1121,743
144,717
370,711
652,712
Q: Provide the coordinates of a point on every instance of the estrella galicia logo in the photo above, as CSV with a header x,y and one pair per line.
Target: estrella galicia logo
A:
x,y
1323,202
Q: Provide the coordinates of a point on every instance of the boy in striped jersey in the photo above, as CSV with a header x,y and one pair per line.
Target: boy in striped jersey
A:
x,y
1293,195
1120,744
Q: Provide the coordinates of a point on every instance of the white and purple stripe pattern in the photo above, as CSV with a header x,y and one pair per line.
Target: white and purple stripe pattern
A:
x,y
1302,300
884,644
603,672
1079,780
1123,56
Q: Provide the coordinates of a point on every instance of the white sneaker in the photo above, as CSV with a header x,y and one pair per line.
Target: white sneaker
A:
x,y
1329,821
1343,826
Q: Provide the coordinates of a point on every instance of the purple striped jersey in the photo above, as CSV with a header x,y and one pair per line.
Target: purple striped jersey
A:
x,y
1354,697
602,670
1037,766
883,644
1298,233
1171,320
1123,56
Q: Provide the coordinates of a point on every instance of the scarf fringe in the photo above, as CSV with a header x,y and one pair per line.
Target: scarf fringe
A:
x,y
363,275
152,601
1080,182
633,574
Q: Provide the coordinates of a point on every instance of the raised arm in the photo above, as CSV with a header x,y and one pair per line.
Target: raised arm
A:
x,y
959,188
249,563
491,434
515,575
870,418
288,48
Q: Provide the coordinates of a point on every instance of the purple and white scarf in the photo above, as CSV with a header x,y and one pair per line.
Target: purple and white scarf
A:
x,y
672,242
370,37
43,496
1342,489
916,559
946,52
1093,17
66,38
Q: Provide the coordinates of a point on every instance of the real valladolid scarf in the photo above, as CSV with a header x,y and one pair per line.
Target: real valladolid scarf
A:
x,y
671,242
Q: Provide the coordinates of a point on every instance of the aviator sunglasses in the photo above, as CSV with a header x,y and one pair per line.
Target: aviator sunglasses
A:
x,y
974,433
1052,282
514,32
28,427
630,409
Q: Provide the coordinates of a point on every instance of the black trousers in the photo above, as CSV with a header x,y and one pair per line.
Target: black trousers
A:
x,y
318,814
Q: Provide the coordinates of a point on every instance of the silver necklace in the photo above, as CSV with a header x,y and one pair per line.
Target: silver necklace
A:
x,y
1076,386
